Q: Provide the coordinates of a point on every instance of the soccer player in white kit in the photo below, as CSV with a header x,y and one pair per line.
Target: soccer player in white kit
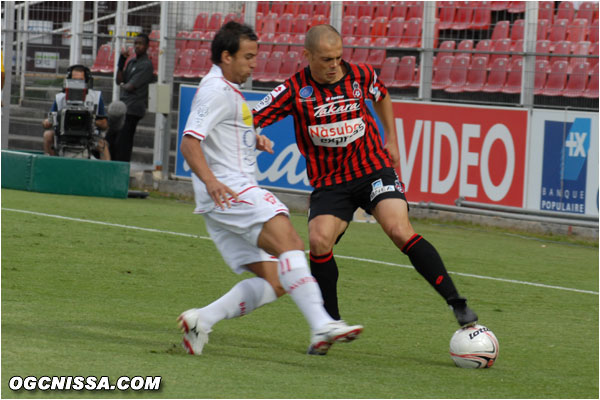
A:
x,y
249,225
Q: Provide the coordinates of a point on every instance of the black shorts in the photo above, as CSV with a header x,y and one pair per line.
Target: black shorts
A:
x,y
342,200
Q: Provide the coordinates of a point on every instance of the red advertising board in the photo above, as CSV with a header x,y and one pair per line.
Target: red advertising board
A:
x,y
451,151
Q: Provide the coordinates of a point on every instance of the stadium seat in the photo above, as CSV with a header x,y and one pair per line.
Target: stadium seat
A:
x,y
363,27
500,48
201,22
262,7
446,11
594,52
194,41
593,32
565,10
542,46
359,55
282,43
405,72
379,27
417,80
154,37
501,30
558,31
388,71
322,8
546,10
303,64
348,25
591,90
515,7
441,76
269,23
399,10
482,16
285,23
181,40
476,75
563,49
514,78
349,41
579,49
272,68
262,58
351,8
497,76
297,39
517,30
278,7
412,34
317,19
577,80
383,9
185,63
265,42
445,45
458,75
499,5
543,26
258,22
541,73
102,61
577,31
517,46
555,83
293,7
289,65
586,10
301,23
415,10
233,17
197,67
464,15
395,32
466,46
208,37
377,52
483,45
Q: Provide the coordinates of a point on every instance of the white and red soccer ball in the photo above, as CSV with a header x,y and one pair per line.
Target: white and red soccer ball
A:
x,y
474,347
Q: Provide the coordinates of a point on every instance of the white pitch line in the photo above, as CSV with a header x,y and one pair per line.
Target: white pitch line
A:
x,y
337,255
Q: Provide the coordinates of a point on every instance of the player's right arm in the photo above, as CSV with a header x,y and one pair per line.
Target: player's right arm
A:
x,y
194,156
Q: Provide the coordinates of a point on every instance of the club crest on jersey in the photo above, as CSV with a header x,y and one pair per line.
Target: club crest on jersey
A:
x,y
356,90
306,92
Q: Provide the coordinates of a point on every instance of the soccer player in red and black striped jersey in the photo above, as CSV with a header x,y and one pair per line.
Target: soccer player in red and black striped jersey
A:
x,y
347,163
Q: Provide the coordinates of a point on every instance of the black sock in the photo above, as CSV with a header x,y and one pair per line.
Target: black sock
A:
x,y
426,260
325,271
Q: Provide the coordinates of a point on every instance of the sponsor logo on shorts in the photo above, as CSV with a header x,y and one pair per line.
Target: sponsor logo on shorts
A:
x,y
337,107
306,92
377,190
337,134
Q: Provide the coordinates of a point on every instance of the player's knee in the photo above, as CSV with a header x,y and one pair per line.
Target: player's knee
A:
x,y
279,290
400,234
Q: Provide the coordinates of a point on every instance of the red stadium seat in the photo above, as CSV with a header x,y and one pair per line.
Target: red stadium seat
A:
x,y
476,75
562,49
289,65
593,61
405,72
577,81
233,17
464,15
497,76
388,70
282,43
198,67
466,46
516,7
501,47
579,49
458,75
517,30
447,45
417,79
577,31
272,68
558,31
483,45
262,7
317,19
262,58
194,41
555,83
201,22
541,73
351,8
482,16
593,32
395,32
514,78
415,10
499,5
349,41
542,46
285,23
154,37
377,52
546,10
269,23
264,42
348,25
441,76
359,55
208,37
301,24
446,12
292,7
501,30
591,90
258,22
363,27
278,7
181,40
185,63
543,26
215,21
412,34
102,61
566,10
383,9
379,26
322,8
586,10
297,39
399,10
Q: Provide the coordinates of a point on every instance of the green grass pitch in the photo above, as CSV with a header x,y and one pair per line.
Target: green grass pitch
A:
x,y
101,299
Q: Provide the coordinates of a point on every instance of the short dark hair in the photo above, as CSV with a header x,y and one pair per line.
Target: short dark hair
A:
x,y
145,37
228,39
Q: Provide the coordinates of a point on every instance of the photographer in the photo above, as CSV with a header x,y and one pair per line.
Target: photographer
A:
x,y
93,102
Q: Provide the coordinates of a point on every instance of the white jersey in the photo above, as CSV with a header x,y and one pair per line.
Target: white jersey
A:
x,y
221,118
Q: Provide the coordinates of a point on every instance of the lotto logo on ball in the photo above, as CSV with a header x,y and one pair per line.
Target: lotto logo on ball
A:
x,y
474,347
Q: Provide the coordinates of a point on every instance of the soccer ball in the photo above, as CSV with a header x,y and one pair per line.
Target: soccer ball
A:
x,y
474,347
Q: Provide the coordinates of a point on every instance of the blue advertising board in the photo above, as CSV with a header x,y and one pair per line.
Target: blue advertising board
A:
x,y
285,169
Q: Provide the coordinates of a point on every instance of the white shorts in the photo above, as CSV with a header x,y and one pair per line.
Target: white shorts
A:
x,y
235,230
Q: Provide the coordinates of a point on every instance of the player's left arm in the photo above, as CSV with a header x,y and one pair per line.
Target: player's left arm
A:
x,y
385,111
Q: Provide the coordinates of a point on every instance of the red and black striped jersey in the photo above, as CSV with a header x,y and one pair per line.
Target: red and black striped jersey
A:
x,y
335,130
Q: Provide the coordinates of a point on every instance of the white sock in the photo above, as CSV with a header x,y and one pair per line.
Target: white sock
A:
x,y
297,281
242,299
